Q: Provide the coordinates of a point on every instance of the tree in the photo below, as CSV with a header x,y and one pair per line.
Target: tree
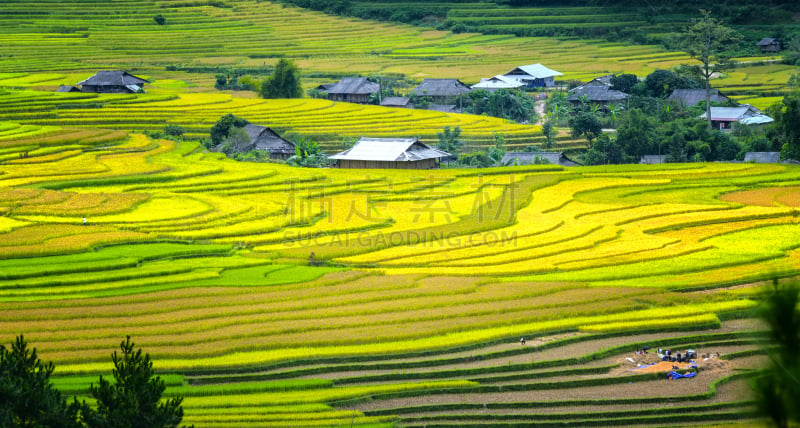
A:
x,y
134,398
497,152
160,20
174,130
449,140
237,137
27,399
675,141
707,40
778,390
605,150
624,82
478,159
549,132
791,52
787,124
222,129
283,83
586,125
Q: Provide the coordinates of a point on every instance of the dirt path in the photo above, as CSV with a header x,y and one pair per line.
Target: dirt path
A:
x,y
654,388
538,107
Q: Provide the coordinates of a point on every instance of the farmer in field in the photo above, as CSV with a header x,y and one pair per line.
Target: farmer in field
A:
x,y
522,341
84,220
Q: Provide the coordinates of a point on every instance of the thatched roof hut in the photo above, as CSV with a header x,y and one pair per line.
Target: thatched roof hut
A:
x,y
264,138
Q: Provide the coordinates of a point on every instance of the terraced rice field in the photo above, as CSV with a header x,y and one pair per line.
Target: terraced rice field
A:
x,y
321,120
421,283
278,296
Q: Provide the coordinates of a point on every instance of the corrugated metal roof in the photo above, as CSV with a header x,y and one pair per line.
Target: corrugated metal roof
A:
x,y
113,78
766,41
727,113
758,119
652,159
354,85
528,158
746,115
537,71
498,82
390,150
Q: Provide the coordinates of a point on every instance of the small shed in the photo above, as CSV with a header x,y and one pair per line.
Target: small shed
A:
x,y
68,88
534,75
264,138
690,97
529,158
402,102
652,159
769,45
113,82
498,82
394,153
762,157
353,90
444,108
442,91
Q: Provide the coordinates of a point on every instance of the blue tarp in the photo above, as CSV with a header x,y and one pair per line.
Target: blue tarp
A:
x,y
676,375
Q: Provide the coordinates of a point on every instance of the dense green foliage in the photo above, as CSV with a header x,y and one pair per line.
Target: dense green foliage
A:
x,y
787,124
133,400
224,126
585,125
778,391
307,153
27,398
618,20
503,103
449,140
283,83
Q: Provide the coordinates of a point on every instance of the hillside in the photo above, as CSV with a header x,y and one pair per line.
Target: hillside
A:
x,y
622,20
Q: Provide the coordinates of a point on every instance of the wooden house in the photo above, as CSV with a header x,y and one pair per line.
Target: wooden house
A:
x,y
353,90
442,91
394,153
723,118
264,138
113,82
769,45
534,76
